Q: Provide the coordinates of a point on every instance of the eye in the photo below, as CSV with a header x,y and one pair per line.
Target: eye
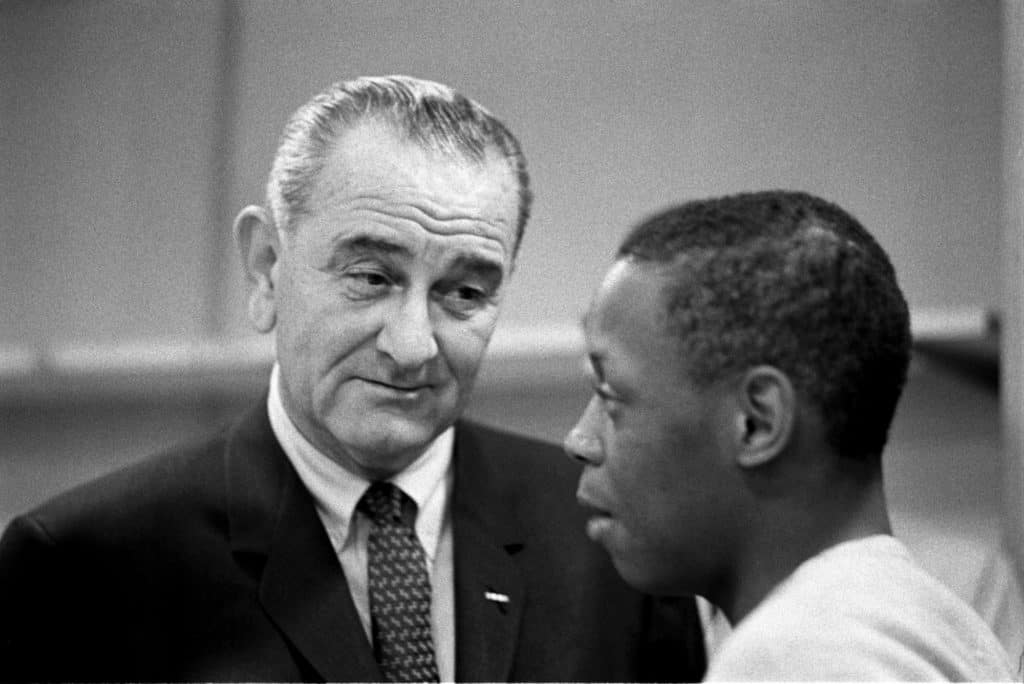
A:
x,y
362,283
610,401
464,299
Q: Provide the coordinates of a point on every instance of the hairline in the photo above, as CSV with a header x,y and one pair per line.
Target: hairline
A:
x,y
455,155
399,104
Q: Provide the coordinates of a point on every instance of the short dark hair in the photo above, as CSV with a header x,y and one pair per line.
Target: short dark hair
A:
x,y
793,281
430,114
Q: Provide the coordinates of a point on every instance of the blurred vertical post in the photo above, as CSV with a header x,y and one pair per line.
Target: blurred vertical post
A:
x,y
218,236
1012,332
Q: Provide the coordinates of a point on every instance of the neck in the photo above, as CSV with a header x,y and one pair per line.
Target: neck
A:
x,y
797,528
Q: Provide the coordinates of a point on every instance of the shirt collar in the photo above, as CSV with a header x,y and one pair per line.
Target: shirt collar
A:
x,y
336,491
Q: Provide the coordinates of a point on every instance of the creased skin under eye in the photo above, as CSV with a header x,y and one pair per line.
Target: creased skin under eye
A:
x,y
464,300
366,284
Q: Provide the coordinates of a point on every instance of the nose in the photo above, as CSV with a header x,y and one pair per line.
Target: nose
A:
x,y
583,442
407,335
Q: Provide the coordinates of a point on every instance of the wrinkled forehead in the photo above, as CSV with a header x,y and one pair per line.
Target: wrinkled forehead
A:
x,y
375,187
372,161
374,145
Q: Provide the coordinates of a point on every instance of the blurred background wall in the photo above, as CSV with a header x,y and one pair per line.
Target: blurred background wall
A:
x,y
132,132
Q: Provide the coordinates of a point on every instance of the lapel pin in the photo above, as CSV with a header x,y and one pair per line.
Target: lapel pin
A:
x,y
496,597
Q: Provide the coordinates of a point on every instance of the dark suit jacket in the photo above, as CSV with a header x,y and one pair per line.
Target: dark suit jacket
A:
x,y
210,563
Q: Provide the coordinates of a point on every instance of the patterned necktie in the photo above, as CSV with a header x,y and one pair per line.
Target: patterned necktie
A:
x,y
399,588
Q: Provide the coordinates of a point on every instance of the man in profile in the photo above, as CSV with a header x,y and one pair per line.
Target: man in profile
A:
x,y
747,356
351,526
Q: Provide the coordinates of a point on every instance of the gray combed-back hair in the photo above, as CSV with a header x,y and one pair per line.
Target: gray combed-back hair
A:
x,y
429,114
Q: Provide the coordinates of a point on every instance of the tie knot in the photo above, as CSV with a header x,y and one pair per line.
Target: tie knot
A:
x,y
386,503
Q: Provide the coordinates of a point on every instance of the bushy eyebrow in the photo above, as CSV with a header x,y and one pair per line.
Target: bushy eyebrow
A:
x,y
369,244
489,270
473,264
597,367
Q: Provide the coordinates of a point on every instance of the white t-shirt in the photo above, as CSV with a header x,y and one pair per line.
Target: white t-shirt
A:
x,y
861,610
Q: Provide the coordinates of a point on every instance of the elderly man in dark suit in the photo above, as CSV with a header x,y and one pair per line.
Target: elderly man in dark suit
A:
x,y
350,527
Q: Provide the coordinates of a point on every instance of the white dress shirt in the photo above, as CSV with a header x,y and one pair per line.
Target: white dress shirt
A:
x,y
336,492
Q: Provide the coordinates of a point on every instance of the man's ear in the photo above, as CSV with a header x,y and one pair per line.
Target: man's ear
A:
x,y
260,248
766,416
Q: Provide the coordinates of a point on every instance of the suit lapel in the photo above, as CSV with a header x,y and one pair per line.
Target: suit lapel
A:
x,y
489,591
302,588
304,591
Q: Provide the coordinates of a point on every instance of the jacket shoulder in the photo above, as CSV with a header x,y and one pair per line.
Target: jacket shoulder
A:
x,y
523,468
133,496
535,455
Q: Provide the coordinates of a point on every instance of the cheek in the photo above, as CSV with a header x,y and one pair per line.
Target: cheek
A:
x,y
324,342
317,315
628,464
298,310
648,470
463,345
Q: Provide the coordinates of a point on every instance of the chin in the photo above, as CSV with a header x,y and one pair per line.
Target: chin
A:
x,y
647,578
391,435
633,578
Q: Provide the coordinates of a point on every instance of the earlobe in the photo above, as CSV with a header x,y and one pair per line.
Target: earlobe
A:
x,y
766,417
260,248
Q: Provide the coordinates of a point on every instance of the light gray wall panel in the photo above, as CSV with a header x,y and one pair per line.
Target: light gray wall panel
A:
x,y
889,108
107,127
